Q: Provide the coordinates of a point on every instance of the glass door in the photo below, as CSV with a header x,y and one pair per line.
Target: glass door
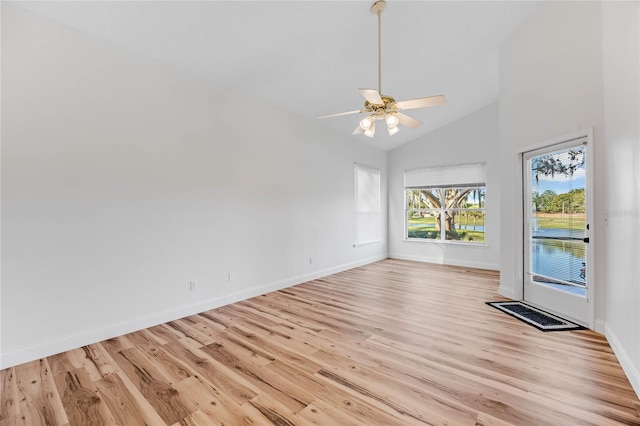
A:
x,y
556,234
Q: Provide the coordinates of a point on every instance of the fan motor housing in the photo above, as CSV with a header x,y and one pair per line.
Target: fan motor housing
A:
x,y
389,105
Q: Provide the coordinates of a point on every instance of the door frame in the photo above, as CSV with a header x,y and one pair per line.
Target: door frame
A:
x,y
520,211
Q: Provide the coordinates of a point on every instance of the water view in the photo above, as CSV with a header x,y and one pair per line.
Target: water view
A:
x,y
564,260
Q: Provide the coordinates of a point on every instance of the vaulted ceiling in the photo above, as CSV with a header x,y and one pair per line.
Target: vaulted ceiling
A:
x,y
311,57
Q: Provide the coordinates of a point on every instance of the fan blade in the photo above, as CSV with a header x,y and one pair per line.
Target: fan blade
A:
x,y
405,120
372,96
422,102
358,131
341,113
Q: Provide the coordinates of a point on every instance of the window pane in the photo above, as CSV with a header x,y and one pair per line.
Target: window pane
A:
x,y
431,198
367,192
414,199
476,198
423,224
423,199
565,260
465,198
465,225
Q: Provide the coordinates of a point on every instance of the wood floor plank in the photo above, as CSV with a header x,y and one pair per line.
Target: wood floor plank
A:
x,y
409,406
377,345
9,396
121,403
154,385
142,405
293,352
81,401
80,359
198,418
341,408
261,378
276,412
225,378
116,344
38,395
206,398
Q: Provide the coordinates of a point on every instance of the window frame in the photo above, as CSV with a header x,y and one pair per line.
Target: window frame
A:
x,y
440,179
358,212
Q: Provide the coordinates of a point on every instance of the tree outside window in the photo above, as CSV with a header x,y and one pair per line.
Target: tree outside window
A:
x,y
459,211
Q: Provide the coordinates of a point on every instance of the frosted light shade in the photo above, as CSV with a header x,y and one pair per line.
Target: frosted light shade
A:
x,y
366,123
371,130
392,121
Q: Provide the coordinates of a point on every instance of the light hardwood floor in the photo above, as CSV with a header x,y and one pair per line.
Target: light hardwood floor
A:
x,y
391,343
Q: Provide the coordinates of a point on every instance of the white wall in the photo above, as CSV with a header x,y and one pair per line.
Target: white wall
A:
x,y
572,65
621,47
550,86
471,139
123,179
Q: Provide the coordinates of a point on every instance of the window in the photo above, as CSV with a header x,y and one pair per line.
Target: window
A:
x,y
449,198
367,204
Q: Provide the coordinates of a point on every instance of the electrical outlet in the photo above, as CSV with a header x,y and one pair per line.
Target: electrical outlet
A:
x,y
310,260
193,285
230,277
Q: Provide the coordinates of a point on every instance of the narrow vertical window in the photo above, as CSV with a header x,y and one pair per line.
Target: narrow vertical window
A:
x,y
367,205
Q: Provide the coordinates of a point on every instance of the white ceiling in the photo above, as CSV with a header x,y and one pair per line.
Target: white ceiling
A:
x,y
310,57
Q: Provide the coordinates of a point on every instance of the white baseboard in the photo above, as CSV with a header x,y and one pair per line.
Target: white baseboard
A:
x,y
452,262
600,326
89,337
279,285
630,369
65,343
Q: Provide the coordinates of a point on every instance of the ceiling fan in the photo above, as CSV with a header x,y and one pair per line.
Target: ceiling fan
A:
x,y
381,107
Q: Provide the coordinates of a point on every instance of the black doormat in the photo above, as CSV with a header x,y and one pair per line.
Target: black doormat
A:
x,y
533,316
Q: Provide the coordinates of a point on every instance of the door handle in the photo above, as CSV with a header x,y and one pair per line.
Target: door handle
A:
x,y
586,240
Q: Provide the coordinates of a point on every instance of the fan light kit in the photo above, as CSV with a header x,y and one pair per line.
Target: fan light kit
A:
x,y
381,107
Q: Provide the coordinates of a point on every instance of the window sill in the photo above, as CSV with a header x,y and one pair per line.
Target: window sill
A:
x,y
446,242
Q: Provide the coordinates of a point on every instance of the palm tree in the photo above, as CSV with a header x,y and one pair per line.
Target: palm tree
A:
x,y
475,215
